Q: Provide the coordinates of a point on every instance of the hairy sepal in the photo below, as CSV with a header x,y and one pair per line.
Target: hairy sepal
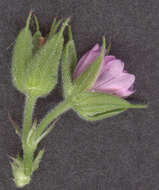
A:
x,y
89,76
22,54
69,58
96,106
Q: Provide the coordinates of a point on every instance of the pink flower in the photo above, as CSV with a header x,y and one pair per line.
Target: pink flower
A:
x,y
112,78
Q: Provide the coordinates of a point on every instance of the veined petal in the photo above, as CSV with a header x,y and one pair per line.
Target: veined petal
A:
x,y
111,70
107,59
124,92
118,86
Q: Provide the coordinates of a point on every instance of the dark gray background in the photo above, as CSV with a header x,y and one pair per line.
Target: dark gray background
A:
x,y
120,153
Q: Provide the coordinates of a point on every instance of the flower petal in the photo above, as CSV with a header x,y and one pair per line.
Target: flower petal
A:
x,y
107,59
119,85
124,93
86,60
110,71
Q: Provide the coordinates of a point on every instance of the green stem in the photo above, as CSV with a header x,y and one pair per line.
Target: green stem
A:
x,y
28,159
28,113
27,153
58,110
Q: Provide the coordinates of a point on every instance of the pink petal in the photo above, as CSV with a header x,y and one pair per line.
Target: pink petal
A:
x,y
124,93
86,60
110,71
121,82
107,59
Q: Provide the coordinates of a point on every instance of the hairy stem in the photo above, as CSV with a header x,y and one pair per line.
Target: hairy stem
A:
x,y
28,155
58,110
28,114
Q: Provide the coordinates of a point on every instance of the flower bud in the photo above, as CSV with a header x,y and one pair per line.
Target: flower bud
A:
x,y
95,85
112,77
42,70
36,59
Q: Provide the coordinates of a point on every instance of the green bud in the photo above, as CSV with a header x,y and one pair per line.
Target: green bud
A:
x,y
42,70
35,67
96,106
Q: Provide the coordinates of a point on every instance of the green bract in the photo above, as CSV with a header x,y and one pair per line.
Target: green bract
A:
x,y
35,68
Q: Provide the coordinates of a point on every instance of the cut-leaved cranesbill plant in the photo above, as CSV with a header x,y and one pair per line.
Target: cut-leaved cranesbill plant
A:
x,y
95,86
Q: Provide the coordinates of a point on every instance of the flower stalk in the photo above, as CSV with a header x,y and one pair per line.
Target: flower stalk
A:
x,y
53,114
28,112
27,152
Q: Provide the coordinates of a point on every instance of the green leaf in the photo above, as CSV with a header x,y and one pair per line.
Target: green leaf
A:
x,y
21,56
89,76
37,160
43,68
95,105
68,61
